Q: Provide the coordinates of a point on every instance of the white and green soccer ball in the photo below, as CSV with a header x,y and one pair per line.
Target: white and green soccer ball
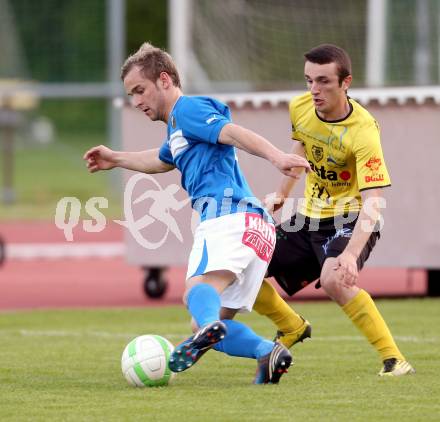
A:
x,y
145,361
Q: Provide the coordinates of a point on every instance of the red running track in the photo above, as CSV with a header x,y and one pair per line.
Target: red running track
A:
x,y
107,282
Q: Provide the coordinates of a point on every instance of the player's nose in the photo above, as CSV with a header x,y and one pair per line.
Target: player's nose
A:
x,y
314,88
136,102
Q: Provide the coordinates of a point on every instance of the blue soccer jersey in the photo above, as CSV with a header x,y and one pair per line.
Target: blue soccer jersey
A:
x,y
210,171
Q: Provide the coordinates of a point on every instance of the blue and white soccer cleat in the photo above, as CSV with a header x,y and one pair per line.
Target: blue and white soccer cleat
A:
x,y
187,353
272,366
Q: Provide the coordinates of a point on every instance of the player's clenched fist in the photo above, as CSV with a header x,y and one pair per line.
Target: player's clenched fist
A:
x,y
100,158
289,164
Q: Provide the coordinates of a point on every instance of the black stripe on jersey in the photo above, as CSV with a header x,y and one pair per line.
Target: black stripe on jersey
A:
x,y
339,120
374,187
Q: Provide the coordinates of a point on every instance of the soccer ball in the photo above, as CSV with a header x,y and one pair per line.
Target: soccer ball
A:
x,y
144,361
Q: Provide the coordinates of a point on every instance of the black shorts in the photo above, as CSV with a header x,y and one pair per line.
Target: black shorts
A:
x,y
300,254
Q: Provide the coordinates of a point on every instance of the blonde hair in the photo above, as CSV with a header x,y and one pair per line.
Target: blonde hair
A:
x,y
152,61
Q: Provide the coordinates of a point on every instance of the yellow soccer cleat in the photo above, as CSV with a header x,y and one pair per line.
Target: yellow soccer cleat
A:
x,y
291,338
395,368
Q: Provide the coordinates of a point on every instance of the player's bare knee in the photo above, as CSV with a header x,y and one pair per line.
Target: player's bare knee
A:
x,y
227,313
331,279
194,326
219,280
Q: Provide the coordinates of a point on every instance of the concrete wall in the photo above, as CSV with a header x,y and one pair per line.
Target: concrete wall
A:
x,y
411,143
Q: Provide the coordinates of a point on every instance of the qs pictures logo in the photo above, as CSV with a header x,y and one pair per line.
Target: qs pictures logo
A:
x,y
154,205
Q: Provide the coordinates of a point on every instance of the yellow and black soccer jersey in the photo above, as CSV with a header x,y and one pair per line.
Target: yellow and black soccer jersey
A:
x,y
345,156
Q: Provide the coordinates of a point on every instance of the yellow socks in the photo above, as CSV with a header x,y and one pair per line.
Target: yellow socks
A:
x,y
367,318
361,310
269,303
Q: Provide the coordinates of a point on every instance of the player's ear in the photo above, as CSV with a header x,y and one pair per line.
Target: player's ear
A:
x,y
165,80
346,82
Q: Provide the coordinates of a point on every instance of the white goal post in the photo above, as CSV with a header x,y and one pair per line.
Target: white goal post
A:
x,y
258,45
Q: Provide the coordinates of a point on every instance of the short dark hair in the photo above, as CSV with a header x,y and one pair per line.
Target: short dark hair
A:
x,y
329,53
152,61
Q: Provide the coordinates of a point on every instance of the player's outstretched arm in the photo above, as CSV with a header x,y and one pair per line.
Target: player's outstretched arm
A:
x,y
370,214
104,158
275,201
255,144
373,201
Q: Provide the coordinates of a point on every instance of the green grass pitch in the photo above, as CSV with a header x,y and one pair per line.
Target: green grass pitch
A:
x,y
64,365
44,175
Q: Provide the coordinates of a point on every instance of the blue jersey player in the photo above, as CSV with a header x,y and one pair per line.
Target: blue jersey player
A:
x,y
235,240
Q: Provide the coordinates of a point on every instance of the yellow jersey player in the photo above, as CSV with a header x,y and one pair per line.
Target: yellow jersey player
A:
x,y
338,222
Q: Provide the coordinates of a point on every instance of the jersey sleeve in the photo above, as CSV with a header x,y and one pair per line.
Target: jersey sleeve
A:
x,y
293,114
370,164
165,154
203,120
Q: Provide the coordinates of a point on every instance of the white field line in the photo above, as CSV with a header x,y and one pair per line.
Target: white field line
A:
x,y
56,333
406,339
60,333
25,251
